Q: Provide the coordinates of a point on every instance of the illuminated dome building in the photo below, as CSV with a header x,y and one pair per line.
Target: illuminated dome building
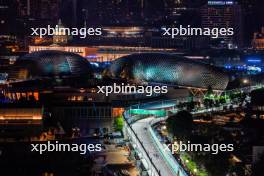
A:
x,y
50,64
167,69
64,84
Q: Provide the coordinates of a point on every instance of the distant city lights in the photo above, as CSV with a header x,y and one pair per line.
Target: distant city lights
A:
x,y
249,69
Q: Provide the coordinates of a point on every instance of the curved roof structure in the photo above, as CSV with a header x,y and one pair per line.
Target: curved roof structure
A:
x,y
168,69
50,64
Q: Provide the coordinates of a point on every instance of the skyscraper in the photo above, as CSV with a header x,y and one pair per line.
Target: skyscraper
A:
x,y
253,17
8,12
224,14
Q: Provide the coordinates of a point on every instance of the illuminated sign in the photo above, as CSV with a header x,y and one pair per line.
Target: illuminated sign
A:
x,y
220,2
159,113
254,60
92,56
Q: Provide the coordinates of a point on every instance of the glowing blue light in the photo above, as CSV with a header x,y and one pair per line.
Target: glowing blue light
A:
x,y
228,66
150,72
254,60
256,69
241,67
48,68
64,67
5,100
94,64
92,56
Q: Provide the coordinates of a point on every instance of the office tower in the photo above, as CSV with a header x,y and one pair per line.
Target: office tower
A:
x,y
258,39
50,10
74,12
8,12
224,14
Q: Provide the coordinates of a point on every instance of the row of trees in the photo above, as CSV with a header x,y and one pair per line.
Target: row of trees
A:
x,y
118,123
181,127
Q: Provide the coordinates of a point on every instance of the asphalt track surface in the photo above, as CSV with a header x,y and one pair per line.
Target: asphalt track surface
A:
x,y
140,127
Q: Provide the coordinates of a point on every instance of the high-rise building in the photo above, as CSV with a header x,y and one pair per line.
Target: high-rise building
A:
x,y
248,7
258,40
41,9
224,14
253,17
181,12
108,12
8,13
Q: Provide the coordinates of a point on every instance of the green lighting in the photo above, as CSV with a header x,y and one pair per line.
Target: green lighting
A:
x,y
159,113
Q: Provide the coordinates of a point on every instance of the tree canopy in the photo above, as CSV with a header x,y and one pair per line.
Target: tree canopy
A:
x,y
119,123
180,125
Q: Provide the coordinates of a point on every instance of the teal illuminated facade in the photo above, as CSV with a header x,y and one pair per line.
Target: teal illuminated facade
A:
x,y
168,69
50,64
158,113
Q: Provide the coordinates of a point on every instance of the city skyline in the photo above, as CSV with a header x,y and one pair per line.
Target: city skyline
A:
x,y
131,87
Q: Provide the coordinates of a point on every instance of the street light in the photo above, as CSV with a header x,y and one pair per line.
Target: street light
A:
x,y
164,127
245,81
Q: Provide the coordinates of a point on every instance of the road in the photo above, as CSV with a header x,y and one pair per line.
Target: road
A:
x,y
140,128
160,160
